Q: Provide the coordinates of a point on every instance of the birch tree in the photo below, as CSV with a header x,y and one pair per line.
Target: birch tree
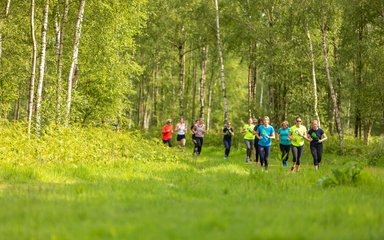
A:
x,y
60,31
42,68
203,80
313,73
33,68
219,47
76,44
6,12
330,83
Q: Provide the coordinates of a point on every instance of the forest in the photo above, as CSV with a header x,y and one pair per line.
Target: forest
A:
x,y
87,85
137,63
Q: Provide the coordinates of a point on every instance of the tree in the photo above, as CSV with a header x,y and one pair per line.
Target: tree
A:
x,y
76,43
33,68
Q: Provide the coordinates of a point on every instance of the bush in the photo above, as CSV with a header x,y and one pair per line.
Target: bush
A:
x,y
349,174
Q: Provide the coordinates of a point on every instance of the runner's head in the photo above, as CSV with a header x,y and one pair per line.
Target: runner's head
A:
x,y
181,119
284,124
265,120
298,121
168,122
250,121
315,124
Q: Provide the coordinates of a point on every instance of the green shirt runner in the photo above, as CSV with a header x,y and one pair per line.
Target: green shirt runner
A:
x,y
298,133
249,135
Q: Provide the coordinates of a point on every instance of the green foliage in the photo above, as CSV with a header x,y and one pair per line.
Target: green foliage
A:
x,y
349,174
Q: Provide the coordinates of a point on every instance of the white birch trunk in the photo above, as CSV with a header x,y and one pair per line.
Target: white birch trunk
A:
x,y
33,69
42,68
312,59
330,84
7,7
203,80
60,27
219,47
181,78
74,59
261,95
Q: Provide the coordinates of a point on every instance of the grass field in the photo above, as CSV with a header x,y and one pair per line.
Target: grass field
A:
x,y
186,198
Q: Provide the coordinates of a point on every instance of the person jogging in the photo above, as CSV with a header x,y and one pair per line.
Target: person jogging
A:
x,y
228,133
297,134
317,136
285,143
257,123
249,137
167,132
199,130
265,133
193,135
181,129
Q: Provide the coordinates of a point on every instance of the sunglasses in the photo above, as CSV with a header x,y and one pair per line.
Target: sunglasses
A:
x,y
298,120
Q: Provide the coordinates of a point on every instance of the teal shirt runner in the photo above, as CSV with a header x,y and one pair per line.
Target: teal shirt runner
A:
x,y
263,132
284,136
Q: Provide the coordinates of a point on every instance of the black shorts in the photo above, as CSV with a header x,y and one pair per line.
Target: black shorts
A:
x,y
179,137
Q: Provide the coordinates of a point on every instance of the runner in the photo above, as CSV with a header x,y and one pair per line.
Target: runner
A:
x,y
167,132
297,134
181,129
285,143
228,133
265,133
317,137
249,137
199,130
257,123
194,139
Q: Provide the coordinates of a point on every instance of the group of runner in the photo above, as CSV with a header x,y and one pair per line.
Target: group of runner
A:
x,y
258,135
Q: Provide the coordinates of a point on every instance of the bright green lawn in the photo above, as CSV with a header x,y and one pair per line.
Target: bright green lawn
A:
x,y
204,198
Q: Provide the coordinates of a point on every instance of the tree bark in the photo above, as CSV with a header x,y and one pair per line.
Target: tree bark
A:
x,y
6,13
60,27
367,131
33,69
312,59
42,68
74,59
193,114
219,47
330,84
181,77
203,80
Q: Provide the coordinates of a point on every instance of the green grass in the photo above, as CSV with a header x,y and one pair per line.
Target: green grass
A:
x,y
116,194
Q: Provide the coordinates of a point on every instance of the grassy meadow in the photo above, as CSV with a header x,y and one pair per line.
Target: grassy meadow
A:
x,y
101,184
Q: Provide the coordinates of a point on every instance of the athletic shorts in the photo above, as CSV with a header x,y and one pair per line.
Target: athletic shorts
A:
x,y
179,137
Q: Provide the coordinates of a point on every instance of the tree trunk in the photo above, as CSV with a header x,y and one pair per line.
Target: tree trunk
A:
x,y
219,47
212,84
74,59
193,114
312,59
6,13
330,84
42,68
367,130
33,69
252,77
202,82
181,78
60,27
261,95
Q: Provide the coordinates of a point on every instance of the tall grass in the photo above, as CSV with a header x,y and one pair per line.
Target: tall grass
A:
x,y
92,183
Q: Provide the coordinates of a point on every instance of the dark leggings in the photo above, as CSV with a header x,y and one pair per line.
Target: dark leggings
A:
x,y
249,145
264,154
297,151
284,152
199,144
257,154
227,144
317,152
169,141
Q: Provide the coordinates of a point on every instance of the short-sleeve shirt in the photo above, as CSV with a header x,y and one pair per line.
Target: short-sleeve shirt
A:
x,y
228,135
199,130
298,133
315,135
255,129
264,132
284,136
249,132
